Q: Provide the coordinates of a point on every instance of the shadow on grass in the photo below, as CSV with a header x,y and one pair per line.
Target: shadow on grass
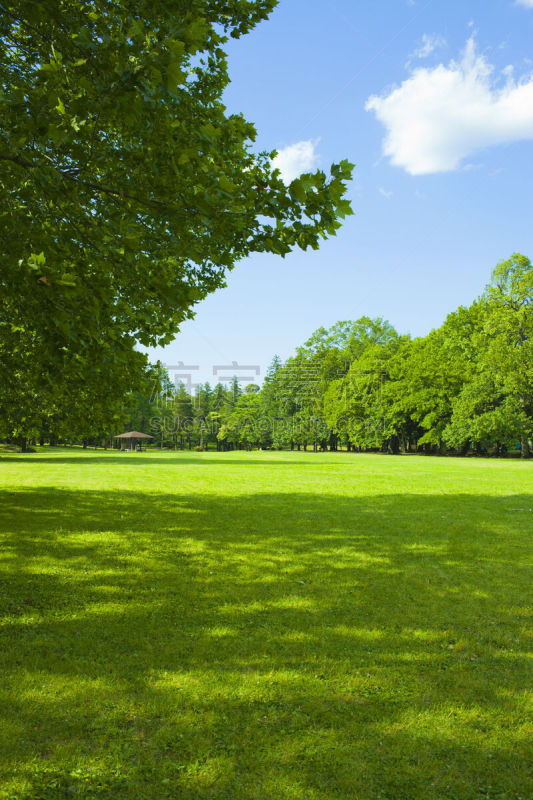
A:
x,y
171,458
271,646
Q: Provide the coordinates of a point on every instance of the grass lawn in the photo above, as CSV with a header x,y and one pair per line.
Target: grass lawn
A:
x,y
264,626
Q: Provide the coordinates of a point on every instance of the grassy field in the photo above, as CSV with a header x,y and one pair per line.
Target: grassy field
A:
x,y
264,626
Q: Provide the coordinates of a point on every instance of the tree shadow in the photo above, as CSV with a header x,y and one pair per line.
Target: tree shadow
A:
x,y
170,458
265,646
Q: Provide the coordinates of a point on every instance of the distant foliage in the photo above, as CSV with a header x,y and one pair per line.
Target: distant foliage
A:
x,y
465,387
360,385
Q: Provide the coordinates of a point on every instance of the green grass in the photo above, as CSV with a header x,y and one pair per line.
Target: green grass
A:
x,y
264,626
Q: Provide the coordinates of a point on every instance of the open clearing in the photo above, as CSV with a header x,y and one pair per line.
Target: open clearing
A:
x,y
264,626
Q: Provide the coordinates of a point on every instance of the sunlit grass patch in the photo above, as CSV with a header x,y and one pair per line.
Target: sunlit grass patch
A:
x,y
264,625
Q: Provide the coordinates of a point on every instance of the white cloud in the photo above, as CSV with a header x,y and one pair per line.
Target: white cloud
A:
x,y
525,3
428,46
295,159
439,116
386,193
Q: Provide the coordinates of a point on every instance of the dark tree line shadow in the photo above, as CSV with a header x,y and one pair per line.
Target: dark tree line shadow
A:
x,y
309,646
176,458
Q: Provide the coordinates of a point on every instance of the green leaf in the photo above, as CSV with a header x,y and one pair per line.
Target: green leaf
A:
x,y
175,76
67,280
57,134
297,191
36,261
209,132
176,47
344,209
226,185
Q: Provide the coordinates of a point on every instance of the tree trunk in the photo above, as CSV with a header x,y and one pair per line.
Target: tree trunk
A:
x,y
393,445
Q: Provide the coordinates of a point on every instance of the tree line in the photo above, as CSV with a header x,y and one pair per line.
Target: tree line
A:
x,y
360,385
465,387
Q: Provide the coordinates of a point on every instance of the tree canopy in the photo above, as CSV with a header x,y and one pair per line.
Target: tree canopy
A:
x,y
465,387
127,190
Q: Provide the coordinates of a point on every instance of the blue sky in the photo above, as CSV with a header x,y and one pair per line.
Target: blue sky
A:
x,y
433,101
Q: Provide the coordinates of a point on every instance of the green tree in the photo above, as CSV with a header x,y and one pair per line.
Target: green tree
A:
x,y
361,406
202,404
509,328
87,397
183,416
429,373
496,404
127,191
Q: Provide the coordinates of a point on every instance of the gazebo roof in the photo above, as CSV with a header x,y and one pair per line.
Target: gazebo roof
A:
x,y
133,435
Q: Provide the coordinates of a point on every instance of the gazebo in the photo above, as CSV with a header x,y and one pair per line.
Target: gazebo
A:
x,y
132,437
